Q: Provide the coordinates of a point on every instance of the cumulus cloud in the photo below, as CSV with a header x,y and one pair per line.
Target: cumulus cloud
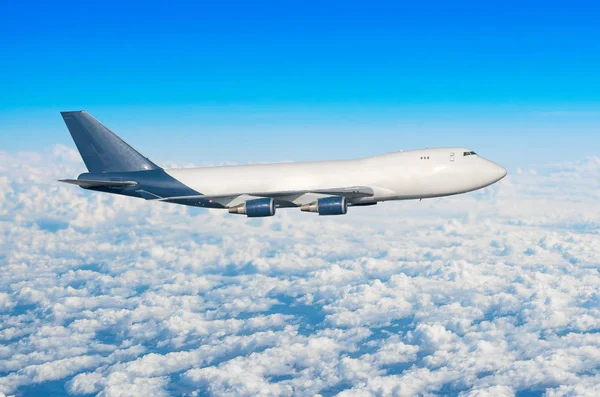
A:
x,y
488,294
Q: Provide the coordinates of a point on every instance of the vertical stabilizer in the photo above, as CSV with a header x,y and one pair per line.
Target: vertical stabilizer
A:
x,y
102,150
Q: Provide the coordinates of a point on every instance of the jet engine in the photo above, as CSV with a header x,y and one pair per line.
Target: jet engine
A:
x,y
255,208
327,206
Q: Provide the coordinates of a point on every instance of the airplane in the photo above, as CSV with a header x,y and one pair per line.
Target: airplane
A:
x,y
257,190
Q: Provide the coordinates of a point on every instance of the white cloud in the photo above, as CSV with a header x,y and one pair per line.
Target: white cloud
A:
x,y
491,293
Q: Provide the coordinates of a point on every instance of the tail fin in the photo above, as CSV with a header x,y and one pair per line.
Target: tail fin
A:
x,y
101,150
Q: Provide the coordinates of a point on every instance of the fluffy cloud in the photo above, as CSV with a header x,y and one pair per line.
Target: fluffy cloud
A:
x,y
488,294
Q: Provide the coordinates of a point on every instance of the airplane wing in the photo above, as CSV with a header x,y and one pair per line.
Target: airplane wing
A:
x,y
92,183
348,192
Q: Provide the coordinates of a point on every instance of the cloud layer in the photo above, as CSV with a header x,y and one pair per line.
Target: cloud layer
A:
x,y
488,294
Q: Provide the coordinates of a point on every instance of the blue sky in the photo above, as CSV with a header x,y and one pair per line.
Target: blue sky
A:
x,y
269,81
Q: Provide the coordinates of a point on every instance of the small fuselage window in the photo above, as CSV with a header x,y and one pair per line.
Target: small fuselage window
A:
x,y
469,153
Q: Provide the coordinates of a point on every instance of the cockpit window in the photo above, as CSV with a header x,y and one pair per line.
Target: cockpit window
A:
x,y
469,153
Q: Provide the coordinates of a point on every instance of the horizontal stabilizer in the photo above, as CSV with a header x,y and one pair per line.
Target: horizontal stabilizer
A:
x,y
92,183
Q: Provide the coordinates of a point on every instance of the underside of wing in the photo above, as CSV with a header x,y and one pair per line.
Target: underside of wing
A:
x,y
289,196
348,192
93,183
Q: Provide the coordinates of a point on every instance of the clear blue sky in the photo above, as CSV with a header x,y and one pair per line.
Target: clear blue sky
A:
x,y
269,81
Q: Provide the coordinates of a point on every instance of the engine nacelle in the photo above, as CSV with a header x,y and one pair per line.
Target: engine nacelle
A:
x,y
255,208
327,206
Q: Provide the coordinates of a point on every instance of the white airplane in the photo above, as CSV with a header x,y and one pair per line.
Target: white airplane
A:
x,y
323,187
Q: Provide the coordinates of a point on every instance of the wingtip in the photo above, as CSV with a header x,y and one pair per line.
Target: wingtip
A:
x,y
67,112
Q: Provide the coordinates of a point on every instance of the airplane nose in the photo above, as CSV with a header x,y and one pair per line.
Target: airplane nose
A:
x,y
494,172
501,171
487,172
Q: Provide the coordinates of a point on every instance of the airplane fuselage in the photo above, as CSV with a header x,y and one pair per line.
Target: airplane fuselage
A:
x,y
412,174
